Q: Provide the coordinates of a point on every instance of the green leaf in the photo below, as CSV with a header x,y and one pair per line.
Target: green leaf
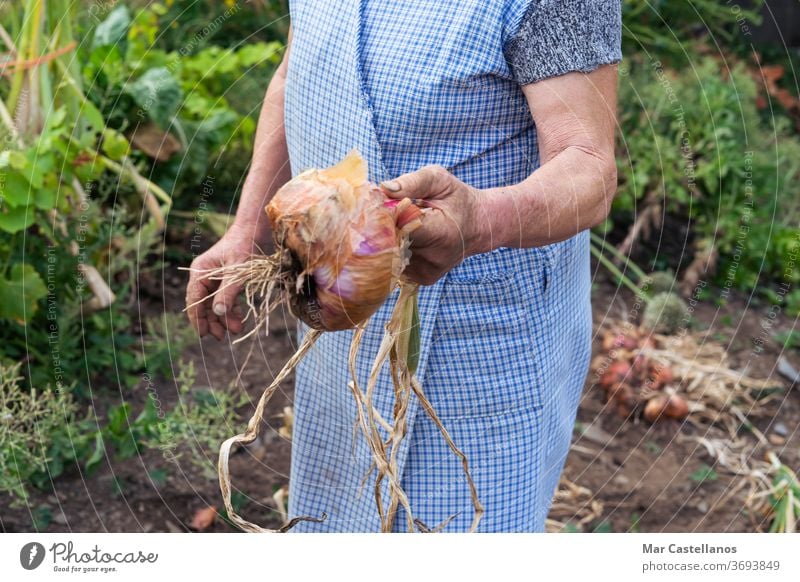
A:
x,y
704,473
92,116
42,517
20,293
105,61
39,165
148,416
15,219
98,454
115,145
56,118
13,159
113,29
15,191
118,419
603,527
45,198
158,476
158,95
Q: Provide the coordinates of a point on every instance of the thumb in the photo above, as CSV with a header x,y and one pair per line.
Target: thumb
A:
x,y
424,183
225,299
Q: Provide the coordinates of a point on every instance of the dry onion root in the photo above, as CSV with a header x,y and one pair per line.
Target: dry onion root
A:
x,y
341,250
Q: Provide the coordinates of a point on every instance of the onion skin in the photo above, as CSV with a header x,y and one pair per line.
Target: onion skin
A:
x,y
667,406
659,376
623,396
616,373
345,249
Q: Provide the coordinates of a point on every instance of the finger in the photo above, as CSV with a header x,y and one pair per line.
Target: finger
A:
x,y
216,329
197,291
233,321
225,299
200,320
427,182
422,271
431,233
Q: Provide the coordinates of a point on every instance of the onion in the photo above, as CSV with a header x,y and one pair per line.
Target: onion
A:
x,y
617,372
659,375
623,396
665,405
343,242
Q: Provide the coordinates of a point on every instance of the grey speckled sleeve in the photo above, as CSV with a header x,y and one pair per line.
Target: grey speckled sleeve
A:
x,y
560,36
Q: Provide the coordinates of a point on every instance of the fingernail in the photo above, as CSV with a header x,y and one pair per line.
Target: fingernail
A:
x,y
391,185
220,309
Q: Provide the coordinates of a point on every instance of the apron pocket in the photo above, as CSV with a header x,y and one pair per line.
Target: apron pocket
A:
x,y
481,356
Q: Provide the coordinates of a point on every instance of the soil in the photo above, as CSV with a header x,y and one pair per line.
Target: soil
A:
x,y
645,477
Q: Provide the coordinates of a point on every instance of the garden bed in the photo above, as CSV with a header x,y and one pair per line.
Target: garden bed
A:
x,y
647,477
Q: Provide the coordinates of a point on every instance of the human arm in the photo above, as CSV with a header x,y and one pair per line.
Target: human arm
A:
x,y
571,191
250,228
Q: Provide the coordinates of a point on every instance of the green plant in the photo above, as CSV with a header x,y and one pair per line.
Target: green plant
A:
x,y
197,424
199,421
174,105
788,339
165,337
784,500
695,148
603,526
703,474
40,432
670,28
636,526
665,313
67,251
228,24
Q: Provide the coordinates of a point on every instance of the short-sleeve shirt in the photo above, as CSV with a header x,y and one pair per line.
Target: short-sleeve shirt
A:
x,y
443,78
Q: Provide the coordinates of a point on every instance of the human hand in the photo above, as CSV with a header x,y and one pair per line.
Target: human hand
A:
x,y
221,313
450,231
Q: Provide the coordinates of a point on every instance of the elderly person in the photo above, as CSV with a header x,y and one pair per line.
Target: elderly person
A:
x,y
503,113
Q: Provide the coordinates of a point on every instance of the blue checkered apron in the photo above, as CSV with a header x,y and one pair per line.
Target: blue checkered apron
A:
x,y
505,335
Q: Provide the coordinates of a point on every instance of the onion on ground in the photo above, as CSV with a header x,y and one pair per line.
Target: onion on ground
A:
x,y
341,248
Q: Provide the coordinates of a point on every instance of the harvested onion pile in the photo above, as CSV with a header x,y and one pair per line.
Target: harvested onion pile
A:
x,y
342,246
635,383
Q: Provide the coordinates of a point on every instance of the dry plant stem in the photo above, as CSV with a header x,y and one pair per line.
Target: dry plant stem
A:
x,y
368,423
385,469
439,528
402,394
252,433
395,348
361,418
426,405
399,329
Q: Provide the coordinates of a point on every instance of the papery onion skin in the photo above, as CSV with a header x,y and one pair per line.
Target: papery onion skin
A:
x,y
346,249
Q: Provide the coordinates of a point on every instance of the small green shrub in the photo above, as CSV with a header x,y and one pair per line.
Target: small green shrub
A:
x,y
664,313
40,433
694,144
165,338
200,421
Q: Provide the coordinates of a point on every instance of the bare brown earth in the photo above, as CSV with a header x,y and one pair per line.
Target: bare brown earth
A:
x,y
642,476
